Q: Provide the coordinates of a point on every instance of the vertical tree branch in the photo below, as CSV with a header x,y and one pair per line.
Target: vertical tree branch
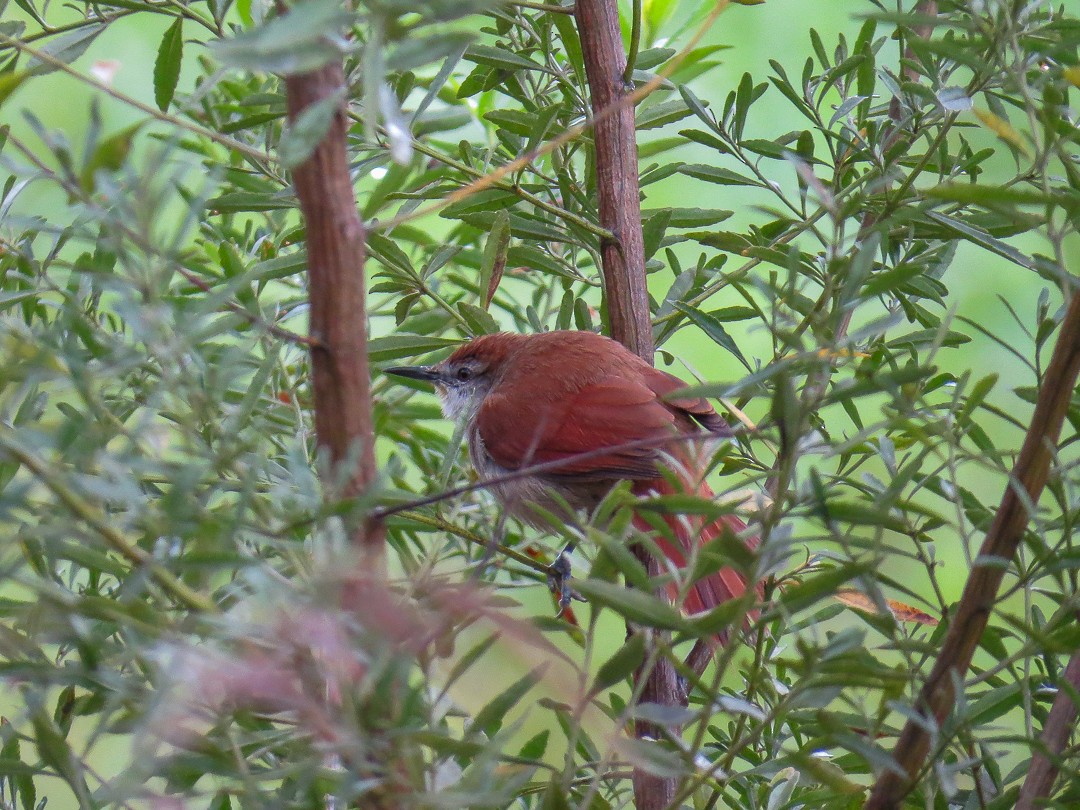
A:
x,y
625,291
338,322
1060,723
617,189
1030,472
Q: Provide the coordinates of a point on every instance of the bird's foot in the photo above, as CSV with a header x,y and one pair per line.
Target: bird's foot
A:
x,y
559,575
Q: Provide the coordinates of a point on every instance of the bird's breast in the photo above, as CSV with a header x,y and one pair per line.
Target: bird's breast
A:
x,y
531,497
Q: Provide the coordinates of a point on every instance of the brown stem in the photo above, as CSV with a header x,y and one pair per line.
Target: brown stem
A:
x,y
625,291
1060,723
336,251
662,688
1030,472
617,190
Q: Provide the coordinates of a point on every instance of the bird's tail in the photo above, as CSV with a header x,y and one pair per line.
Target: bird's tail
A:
x,y
688,532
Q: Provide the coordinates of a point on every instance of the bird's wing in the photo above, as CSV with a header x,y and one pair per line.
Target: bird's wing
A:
x,y
614,412
664,386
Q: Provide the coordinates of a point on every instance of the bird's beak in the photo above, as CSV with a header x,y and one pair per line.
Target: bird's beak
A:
x,y
427,373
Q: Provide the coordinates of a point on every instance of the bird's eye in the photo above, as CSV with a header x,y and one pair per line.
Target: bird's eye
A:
x,y
464,373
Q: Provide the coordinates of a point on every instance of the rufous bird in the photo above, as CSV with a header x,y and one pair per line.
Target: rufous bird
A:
x,y
552,397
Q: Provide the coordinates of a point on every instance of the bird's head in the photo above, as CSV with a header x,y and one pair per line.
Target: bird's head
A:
x,y
467,376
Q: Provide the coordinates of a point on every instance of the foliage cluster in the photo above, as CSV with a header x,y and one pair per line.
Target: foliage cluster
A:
x,y
182,615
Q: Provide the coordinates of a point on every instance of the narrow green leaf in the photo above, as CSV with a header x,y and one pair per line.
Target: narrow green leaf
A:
x,y
653,229
621,665
493,261
306,38
9,83
714,174
636,606
167,64
657,115
391,347
109,155
65,48
490,718
506,60
479,320
712,327
536,746
814,588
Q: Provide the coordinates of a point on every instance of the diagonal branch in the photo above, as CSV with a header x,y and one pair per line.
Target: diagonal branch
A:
x,y
1060,723
1028,475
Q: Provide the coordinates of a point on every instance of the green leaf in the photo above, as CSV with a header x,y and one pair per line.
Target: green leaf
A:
x,y
303,134
416,51
689,217
891,280
653,228
861,513
714,174
506,60
536,746
167,64
814,588
479,320
252,202
12,767
765,148
493,261
982,238
109,155
652,57
657,115
652,757
621,665
307,38
712,327
632,605
65,48
9,83
490,718
391,347
656,13
987,195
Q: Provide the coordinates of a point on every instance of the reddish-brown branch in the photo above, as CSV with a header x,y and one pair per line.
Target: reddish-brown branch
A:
x,y
1030,472
1060,723
338,324
625,293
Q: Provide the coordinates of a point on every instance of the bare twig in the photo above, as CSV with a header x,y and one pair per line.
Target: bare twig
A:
x,y
1026,482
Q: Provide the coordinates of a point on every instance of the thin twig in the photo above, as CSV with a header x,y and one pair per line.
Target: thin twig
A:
x,y
383,512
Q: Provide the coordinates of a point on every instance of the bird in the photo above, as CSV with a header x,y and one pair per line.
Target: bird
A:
x,y
593,414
